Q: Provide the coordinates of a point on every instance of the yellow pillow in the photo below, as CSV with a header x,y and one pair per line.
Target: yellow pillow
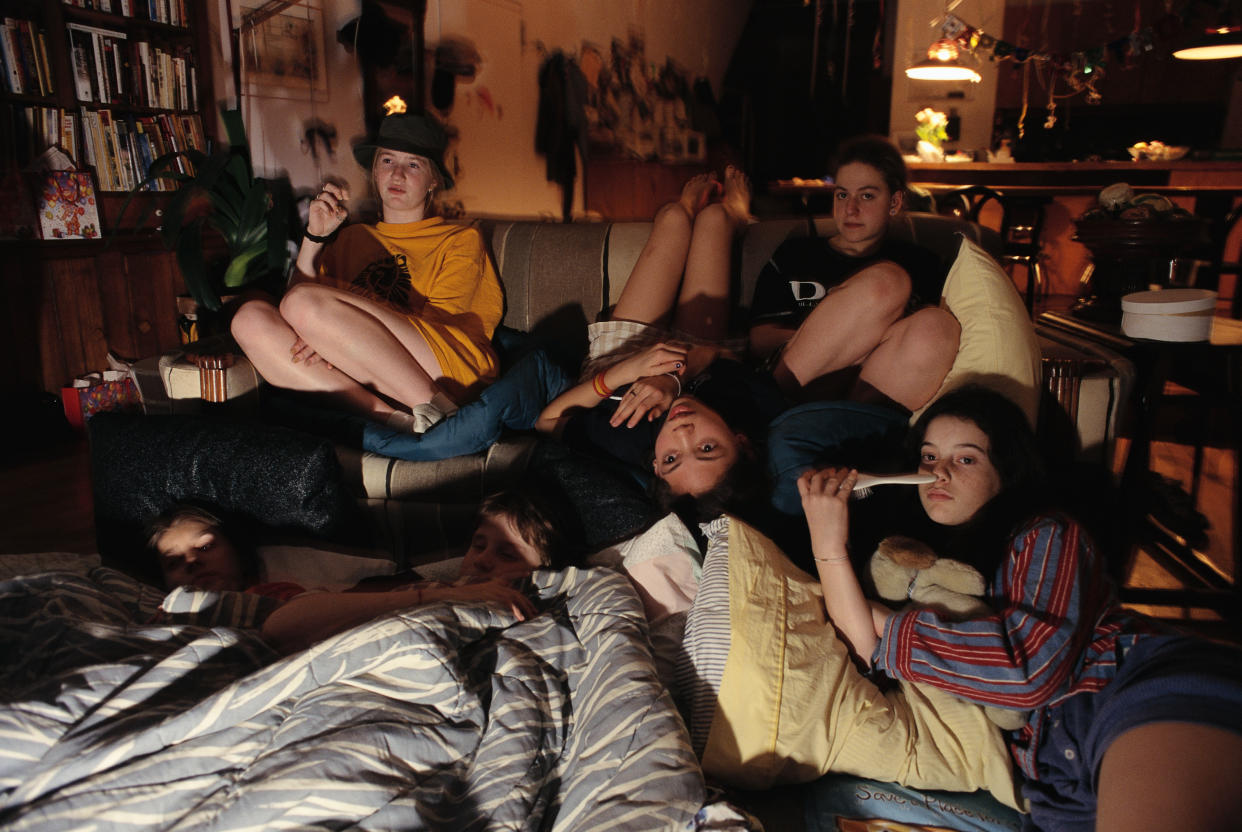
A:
x,y
998,347
792,705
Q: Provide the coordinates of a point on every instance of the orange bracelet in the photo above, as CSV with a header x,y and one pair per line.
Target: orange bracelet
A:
x,y
601,389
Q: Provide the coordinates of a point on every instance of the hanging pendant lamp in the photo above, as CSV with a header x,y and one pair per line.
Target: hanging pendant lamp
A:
x,y
942,64
1215,44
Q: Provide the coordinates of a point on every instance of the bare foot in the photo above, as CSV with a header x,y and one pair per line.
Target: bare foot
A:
x,y
697,192
736,199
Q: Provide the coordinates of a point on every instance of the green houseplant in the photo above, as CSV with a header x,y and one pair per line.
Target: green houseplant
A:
x,y
221,192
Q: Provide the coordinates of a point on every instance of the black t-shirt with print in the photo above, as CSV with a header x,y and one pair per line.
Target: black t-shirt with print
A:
x,y
803,269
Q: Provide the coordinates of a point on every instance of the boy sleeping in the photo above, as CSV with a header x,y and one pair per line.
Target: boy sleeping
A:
x,y
515,534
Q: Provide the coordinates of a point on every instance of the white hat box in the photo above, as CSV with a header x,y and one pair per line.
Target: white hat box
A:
x,y
1169,314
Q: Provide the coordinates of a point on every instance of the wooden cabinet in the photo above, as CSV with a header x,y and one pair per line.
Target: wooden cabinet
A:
x,y
629,189
68,302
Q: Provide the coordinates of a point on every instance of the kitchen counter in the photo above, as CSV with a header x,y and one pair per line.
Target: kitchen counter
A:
x,y
1098,174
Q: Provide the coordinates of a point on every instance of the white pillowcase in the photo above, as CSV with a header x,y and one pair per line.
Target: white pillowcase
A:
x,y
319,568
663,563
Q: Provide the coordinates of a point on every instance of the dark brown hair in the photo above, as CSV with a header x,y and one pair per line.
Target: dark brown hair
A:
x,y
877,152
536,520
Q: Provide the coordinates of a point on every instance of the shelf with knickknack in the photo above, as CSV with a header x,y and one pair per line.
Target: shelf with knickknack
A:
x,y
113,84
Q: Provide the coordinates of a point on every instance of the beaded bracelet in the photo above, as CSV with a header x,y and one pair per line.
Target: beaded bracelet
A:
x,y
675,378
830,560
601,389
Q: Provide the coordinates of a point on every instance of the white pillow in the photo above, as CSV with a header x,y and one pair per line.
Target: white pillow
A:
x,y
663,563
998,347
319,568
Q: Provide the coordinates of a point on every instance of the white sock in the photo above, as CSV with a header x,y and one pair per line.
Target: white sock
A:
x,y
444,404
424,416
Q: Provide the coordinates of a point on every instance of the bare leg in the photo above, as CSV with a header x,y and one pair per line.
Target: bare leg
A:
x,y
652,288
267,340
373,351
846,326
703,301
912,359
1171,775
369,342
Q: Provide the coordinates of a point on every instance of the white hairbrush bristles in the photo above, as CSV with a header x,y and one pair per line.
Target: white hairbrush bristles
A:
x,y
862,488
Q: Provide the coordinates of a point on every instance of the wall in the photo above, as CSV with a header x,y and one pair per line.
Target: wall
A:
x,y
494,113
914,33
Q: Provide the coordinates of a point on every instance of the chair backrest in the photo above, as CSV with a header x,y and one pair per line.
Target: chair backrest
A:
x,y
1021,218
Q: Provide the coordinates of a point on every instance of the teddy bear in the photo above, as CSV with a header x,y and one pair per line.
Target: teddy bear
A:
x,y
903,568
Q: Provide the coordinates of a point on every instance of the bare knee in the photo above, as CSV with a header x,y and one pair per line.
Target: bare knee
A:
x,y
933,333
882,287
252,320
304,304
713,219
672,218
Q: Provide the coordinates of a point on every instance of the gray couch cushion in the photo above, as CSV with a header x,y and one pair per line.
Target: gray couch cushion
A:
x,y
553,274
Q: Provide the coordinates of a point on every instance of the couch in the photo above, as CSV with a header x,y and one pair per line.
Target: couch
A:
x,y
559,277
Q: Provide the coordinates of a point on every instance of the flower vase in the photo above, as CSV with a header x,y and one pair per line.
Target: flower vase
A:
x,y
929,152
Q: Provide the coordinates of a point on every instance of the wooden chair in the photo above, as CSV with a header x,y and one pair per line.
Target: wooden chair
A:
x,y
1021,224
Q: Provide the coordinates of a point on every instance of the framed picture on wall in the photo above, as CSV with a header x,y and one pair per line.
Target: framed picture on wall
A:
x,y
282,53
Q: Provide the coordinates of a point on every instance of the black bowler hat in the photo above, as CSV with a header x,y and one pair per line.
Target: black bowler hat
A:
x,y
409,133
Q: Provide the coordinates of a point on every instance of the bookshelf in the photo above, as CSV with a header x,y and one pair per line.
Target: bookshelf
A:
x,y
113,82
147,82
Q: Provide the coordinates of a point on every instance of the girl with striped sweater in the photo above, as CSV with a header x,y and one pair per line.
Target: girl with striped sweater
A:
x,y
1130,726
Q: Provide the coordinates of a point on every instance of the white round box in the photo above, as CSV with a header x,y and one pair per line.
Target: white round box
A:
x,y
1169,314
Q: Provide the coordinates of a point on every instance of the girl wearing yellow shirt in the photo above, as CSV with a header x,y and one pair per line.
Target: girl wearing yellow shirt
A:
x,y
392,320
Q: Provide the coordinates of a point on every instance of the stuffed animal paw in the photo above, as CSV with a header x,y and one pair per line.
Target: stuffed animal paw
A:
x,y
905,569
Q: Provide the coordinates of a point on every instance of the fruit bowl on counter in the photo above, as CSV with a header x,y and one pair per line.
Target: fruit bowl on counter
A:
x,y
1156,151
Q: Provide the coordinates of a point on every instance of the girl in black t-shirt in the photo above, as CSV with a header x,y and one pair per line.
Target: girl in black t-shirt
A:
x,y
854,315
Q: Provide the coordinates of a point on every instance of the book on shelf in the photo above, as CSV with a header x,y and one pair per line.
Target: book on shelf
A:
x,y
32,75
41,42
111,155
12,63
30,129
91,141
81,70
105,74
69,136
122,147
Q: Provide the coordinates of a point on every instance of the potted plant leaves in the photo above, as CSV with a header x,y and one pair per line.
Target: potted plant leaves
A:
x,y
219,192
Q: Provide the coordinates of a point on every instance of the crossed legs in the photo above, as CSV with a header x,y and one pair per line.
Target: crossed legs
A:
x,y
370,355
860,324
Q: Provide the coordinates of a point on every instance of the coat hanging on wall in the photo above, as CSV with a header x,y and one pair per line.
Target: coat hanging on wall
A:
x,y
560,125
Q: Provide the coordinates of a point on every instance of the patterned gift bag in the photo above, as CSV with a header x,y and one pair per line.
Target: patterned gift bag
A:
x,y
96,392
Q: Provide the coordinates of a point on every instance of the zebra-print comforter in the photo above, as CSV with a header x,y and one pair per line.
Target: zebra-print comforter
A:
x,y
446,717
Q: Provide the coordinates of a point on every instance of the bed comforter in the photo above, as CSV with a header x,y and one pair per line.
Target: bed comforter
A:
x,y
445,717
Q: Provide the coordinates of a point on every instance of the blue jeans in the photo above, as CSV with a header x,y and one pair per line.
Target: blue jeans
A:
x,y
829,433
513,402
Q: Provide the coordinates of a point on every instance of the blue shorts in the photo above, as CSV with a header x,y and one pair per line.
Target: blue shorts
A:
x,y
842,433
1161,679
